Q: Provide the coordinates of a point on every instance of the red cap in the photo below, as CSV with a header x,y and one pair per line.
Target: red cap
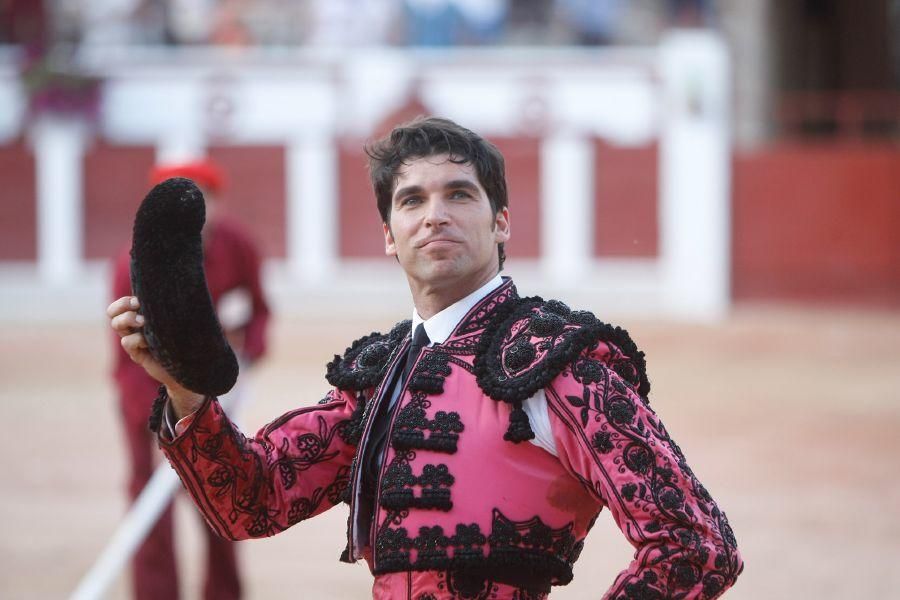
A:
x,y
205,173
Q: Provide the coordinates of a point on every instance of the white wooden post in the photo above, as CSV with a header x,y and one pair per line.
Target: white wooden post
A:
x,y
312,178
567,207
59,151
695,175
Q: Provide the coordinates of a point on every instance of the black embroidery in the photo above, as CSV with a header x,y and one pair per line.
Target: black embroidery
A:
x,y
519,429
429,373
601,441
482,314
246,492
531,341
528,554
154,423
659,486
303,508
643,589
412,423
470,586
365,361
352,430
398,481
519,356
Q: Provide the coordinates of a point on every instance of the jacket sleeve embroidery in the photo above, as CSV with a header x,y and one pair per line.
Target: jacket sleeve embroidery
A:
x,y
294,468
608,436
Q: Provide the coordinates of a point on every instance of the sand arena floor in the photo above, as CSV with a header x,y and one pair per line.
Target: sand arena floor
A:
x,y
790,417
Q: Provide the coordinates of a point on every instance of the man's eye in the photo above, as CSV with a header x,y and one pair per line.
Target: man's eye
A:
x,y
410,201
460,194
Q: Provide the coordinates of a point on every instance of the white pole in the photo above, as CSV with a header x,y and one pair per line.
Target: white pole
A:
x,y
140,519
567,205
695,157
59,149
312,185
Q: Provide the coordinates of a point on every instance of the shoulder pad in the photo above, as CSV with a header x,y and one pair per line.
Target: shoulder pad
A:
x,y
363,363
534,340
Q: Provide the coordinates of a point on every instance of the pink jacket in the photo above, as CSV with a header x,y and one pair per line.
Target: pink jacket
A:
x,y
465,506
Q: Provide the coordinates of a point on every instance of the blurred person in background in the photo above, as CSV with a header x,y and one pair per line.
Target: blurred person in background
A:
x,y
483,21
592,22
350,23
232,267
477,442
431,23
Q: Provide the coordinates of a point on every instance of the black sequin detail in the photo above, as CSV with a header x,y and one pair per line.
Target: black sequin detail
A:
x,y
531,341
363,364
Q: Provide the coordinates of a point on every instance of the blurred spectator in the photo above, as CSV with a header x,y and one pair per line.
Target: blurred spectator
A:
x,y
592,22
431,22
344,23
229,28
352,22
481,21
104,22
231,264
690,13
22,22
529,21
191,21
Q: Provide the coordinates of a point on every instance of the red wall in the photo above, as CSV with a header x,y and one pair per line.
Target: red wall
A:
x,y
625,200
817,223
18,207
115,182
256,192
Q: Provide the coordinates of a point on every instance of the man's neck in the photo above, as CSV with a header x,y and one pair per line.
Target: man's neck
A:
x,y
430,301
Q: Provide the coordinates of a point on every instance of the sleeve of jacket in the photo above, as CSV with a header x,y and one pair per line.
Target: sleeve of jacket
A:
x,y
294,468
608,437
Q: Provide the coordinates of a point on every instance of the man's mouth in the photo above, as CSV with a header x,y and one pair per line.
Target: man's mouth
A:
x,y
437,241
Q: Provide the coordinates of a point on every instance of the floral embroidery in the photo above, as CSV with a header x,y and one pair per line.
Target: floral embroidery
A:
x,y
616,418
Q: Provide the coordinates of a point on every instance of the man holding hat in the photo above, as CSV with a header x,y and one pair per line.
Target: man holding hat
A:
x,y
232,265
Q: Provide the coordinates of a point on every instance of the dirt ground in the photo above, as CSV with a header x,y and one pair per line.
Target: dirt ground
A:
x,y
790,417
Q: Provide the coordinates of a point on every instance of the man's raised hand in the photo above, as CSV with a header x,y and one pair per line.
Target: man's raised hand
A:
x,y
127,323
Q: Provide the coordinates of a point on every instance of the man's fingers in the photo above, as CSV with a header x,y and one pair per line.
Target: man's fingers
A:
x,y
123,304
126,322
135,345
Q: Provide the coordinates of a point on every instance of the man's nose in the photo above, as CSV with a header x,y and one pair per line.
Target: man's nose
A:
x,y
436,213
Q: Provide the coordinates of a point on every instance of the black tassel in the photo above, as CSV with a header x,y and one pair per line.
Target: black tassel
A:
x,y
519,428
154,423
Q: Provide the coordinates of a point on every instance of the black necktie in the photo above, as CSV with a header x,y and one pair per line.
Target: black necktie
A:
x,y
382,420
419,341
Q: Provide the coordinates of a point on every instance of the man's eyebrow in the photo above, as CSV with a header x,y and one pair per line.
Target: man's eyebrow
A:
x,y
465,184
410,189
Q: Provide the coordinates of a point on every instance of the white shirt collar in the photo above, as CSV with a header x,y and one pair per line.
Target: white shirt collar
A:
x,y
440,326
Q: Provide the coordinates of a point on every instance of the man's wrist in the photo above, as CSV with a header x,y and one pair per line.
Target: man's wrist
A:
x,y
183,402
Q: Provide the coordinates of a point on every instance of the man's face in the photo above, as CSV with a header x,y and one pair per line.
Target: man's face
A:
x,y
442,228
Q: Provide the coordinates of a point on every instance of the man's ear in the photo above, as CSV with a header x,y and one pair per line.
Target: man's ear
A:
x,y
501,226
390,248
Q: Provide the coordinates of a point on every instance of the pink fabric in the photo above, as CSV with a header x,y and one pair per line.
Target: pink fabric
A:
x,y
434,585
489,502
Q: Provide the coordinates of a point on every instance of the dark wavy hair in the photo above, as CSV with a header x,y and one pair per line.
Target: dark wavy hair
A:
x,y
430,136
